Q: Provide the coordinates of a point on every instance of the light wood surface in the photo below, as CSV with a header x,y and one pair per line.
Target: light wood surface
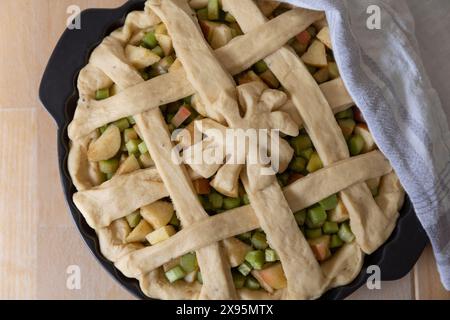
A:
x,y
38,240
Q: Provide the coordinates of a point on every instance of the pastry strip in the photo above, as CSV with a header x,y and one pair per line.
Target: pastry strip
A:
x,y
119,197
327,181
321,125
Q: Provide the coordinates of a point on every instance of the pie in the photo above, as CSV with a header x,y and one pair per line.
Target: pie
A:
x,y
222,230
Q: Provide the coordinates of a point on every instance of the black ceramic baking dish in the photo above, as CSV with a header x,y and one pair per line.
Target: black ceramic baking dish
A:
x,y
59,95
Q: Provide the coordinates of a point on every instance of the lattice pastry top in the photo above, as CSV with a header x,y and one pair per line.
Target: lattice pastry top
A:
x,y
222,230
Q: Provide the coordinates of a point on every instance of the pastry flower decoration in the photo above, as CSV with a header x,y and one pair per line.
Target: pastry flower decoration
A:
x,y
261,115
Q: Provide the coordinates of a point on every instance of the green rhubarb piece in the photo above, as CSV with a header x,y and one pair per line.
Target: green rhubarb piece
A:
x,y
189,262
300,217
129,134
109,176
260,67
271,255
149,40
245,268
188,100
312,31
313,233
199,277
345,114
335,241
330,227
329,203
216,200
252,284
283,179
122,124
300,143
202,14
347,126
158,51
245,236
142,147
245,199
144,74
231,203
175,274
133,146
166,62
298,164
175,221
133,219
239,280
356,144
307,153
345,233
322,75
229,17
333,70
206,203
259,240
102,94
255,259
315,217
314,163
131,120
213,10
108,166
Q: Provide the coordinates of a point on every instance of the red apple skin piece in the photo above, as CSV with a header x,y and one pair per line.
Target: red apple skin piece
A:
x,y
304,37
202,186
274,276
358,115
181,116
294,177
207,28
320,247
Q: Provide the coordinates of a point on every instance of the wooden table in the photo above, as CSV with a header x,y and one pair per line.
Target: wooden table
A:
x,y
38,240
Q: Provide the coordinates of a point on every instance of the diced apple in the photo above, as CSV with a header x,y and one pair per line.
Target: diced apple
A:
x,y
248,77
160,235
347,126
324,37
208,28
363,131
176,65
106,146
191,277
140,232
338,214
160,29
221,35
270,79
321,247
146,160
141,57
181,116
304,37
202,186
158,214
129,165
256,274
272,277
316,55
236,250
198,4
165,42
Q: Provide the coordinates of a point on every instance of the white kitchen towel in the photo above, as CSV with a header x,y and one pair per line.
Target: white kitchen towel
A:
x,y
384,73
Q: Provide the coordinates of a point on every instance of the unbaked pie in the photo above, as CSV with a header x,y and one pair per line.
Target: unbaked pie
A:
x,y
223,230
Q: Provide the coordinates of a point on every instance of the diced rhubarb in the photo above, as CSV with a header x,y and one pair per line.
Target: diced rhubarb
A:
x,y
304,37
358,115
182,115
294,177
202,186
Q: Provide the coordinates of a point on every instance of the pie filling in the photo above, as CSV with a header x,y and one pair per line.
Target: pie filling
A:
x,y
255,265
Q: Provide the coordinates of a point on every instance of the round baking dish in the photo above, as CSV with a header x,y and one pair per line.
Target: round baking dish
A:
x,y
58,93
